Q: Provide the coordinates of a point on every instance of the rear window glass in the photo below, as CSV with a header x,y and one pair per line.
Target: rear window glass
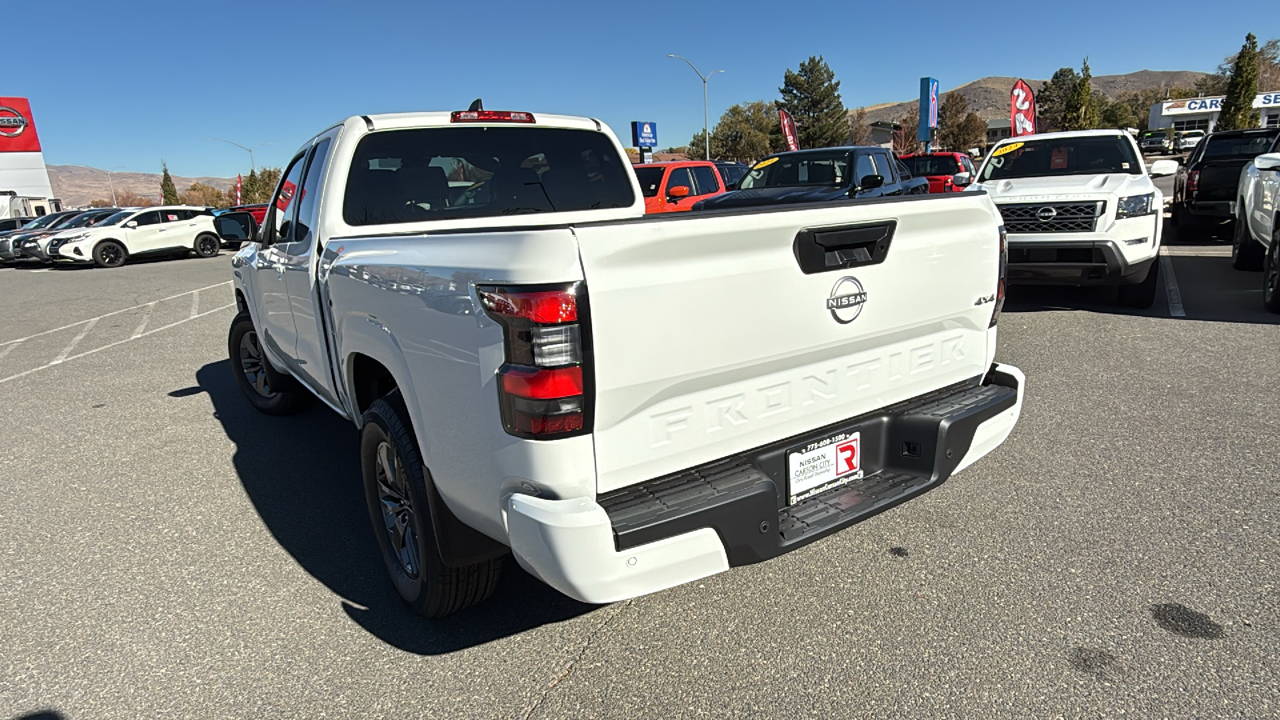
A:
x,y
650,180
1245,146
932,165
403,176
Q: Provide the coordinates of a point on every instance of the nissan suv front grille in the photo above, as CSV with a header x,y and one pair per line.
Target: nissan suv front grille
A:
x,y
1045,218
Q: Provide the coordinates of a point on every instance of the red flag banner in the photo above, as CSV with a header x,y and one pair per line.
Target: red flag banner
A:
x,y
788,130
1022,109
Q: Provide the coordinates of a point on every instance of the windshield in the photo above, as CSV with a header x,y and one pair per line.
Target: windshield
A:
x,y
1053,157
82,220
650,180
932,164
43,222
1238,146
66,222
809,168
402,176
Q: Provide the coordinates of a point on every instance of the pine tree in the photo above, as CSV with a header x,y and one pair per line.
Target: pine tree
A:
x,y
1051,100
1081,111
1238,112
812,96
951,116
168,193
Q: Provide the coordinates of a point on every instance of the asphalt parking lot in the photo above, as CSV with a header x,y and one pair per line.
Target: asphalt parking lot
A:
x,y
169,552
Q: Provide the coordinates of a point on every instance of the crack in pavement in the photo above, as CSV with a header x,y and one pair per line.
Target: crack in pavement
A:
x,y
577,658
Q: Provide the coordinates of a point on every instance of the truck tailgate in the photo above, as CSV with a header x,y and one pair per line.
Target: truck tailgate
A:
x,y
710,340
1219,178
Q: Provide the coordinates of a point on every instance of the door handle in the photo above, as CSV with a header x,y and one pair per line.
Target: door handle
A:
x,y
819,250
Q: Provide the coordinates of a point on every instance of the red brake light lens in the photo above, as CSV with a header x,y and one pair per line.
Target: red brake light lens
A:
x,y
542,386
491,116
1193,181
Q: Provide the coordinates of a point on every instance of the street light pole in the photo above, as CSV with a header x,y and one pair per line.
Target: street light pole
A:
x,y
110,181
252,167
706,130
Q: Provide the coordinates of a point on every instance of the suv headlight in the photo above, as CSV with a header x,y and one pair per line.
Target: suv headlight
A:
x,y
1134,206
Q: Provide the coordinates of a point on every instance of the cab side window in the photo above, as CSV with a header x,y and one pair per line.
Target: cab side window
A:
x,y
147,218
310,192
279,222
680,177
705,177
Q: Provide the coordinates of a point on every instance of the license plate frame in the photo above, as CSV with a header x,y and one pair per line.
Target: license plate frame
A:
x,y
824,464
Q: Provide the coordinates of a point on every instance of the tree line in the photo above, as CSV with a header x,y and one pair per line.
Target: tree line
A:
x,y
811,94
255,189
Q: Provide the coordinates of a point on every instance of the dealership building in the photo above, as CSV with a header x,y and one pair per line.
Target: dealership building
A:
x,y
1202,113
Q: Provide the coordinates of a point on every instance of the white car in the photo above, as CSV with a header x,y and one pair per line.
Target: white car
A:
x,y
142,231
1080,209
1188,140
1256,244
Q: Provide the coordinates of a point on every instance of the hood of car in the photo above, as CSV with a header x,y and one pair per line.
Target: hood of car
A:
x,y
1043,188
755,197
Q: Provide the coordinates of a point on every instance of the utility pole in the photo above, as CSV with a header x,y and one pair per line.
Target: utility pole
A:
x,y
706,131
248,150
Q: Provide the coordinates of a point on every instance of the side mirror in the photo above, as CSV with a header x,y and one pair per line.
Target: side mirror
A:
x,y
963,179
870,182
131,224
1268,161
236,227
1161,168
677,192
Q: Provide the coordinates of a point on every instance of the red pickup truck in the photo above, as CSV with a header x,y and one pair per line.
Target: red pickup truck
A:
x,y
676,186
940,168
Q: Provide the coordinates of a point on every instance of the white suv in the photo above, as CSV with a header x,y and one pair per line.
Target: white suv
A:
x,y
1080,209
142,231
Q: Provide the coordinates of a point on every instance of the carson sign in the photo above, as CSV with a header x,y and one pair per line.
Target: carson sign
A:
x,y
1213,104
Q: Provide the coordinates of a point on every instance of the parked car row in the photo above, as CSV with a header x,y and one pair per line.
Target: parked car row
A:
x,y
108,237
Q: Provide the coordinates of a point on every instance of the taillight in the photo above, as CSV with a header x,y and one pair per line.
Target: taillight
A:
x,y
491,116
1193,181
1000,280
543,387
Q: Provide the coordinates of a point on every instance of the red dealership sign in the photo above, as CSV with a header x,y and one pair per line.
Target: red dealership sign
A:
x,y
788,130
17,129
1022,110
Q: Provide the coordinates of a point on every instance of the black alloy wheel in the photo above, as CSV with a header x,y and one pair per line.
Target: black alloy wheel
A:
x,y
253,366
1271,275
398,518
109,254
207,246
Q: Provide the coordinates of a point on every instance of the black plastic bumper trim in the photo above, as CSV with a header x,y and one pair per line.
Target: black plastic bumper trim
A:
x,y
907,450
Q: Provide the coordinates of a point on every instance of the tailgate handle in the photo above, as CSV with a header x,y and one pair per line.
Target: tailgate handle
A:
x,y
820,250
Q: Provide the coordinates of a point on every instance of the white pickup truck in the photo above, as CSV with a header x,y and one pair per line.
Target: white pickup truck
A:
x,y
1080,209
624,403
1256,245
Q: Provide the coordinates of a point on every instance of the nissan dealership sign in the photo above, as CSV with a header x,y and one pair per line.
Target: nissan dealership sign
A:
x,y
22,169
17,129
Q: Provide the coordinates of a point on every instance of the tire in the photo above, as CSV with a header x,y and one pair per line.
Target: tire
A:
x,y
1246,253
1271,276
1142,295
109,254
395,487
269,391
207,245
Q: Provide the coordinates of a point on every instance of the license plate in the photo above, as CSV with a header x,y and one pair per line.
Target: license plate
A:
x,y
822,465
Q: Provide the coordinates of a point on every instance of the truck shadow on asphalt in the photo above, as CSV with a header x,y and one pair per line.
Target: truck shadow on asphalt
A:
x,y
302,474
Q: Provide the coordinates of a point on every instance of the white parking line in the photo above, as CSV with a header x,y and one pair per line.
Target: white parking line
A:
x,y
110,345
146,318
74,342
107,315
195,303
1171,285
4,349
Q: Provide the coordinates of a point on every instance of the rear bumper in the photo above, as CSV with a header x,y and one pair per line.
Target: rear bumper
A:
x,y
676,529
1220,209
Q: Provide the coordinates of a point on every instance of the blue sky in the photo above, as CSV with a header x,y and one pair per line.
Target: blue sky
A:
x,y
129,84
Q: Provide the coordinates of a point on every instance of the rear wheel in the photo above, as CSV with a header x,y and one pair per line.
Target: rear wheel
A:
x,y
395,486
268,390
1143,294
109,254
207,245
1246,253
1271,275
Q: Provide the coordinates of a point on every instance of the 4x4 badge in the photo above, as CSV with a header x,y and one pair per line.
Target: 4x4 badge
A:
x,y
846,300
